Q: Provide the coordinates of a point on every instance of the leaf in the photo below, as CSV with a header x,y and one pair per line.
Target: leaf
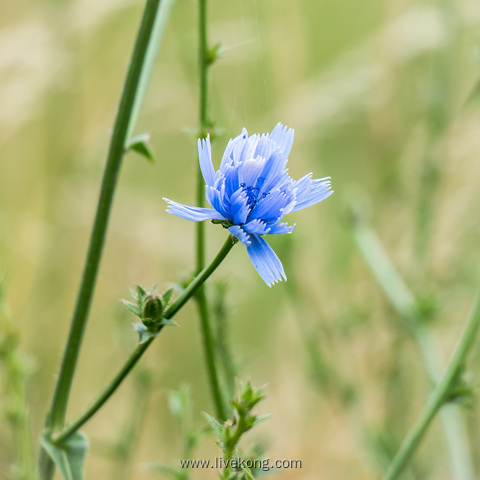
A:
x,y
133,308
70,457
217,427
140,145
261,418
166,321
133,294
143,333
141,292
167,296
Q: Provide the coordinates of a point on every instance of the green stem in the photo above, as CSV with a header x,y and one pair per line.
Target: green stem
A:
x,y
193,287
404,301
203,119
208,338
209,347
439,395
106,394
123,125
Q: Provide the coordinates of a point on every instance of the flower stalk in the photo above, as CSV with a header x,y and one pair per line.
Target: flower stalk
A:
x,y
135,83
208,338
189,291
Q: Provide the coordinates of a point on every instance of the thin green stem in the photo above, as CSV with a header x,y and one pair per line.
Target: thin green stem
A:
x,y
439,395
208,338
203,120
405,303
193,287
210,350
123,125
106,393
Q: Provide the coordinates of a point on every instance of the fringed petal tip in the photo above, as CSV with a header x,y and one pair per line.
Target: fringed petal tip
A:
x,y
265,260
195,214
283,137
241,234
205,159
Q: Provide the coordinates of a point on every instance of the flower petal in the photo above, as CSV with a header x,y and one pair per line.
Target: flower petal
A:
x,y
256,226
196,214
309,192
271,207
265,261
229,175
241,234
216,198
280,228
239,208
205,158
283,137
250,169
248,150
234,147
265,146
274,173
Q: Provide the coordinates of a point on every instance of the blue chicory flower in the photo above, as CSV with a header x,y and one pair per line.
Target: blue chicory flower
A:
x,y
252,191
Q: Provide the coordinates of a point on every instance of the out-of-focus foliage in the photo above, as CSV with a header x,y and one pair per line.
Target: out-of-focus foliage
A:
x,y
381,96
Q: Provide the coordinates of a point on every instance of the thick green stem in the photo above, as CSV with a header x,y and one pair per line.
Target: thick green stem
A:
x,y
439,395
192,288
208,338
136,78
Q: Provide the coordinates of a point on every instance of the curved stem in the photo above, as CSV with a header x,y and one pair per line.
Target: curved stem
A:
x,y
200,278
142,348
439,395
135,81
106,394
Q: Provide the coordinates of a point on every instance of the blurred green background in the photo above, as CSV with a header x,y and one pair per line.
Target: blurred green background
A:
x,y
381,97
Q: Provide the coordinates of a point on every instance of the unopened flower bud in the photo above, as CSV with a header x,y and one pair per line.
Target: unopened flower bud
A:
x,y
152,310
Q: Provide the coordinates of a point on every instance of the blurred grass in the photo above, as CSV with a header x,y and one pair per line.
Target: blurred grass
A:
x,y
376,92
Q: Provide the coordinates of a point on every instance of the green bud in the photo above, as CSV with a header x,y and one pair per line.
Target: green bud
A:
x,y
152,310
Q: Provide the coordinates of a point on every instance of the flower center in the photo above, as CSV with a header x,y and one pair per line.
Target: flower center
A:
x,y
252,195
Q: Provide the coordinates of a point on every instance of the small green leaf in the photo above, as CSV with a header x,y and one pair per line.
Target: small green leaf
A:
x,y
140,145
216,426
143,333
141,292
165,321
167,296
133,308
70,458
133,294
261,418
